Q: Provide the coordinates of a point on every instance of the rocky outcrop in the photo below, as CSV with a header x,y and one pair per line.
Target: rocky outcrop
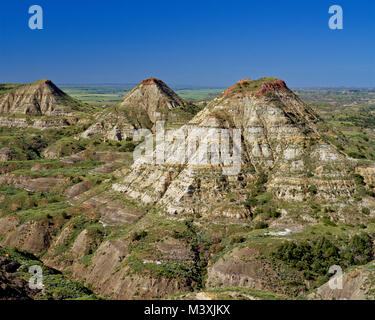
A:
x,y
110,277
37,98
368,173
32,237
30,183
7,224
151,100
11,286
6,154
357,284
148,102
243,267
279,138
112,212
40,124
194,223
111,125
78,189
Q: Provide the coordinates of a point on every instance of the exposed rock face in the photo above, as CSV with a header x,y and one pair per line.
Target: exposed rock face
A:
x,y
150,97
357,284
271,86
7,224
243,268
81,245
31,184
78,188
368,174
11,287
109,277
112,125
279,137
6,154
108,273
112,212
127,250
37,98
40,124
151,100
31,236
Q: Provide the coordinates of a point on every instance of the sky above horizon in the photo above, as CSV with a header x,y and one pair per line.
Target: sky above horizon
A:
x,y
197,43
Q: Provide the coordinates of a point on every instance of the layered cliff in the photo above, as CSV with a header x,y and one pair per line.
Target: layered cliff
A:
x,y
41,97
149,101
188,218
281,149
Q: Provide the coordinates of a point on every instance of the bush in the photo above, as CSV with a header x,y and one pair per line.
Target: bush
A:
x,y
136,236
313,190
360,250
261,225
358,179
317,257
366,211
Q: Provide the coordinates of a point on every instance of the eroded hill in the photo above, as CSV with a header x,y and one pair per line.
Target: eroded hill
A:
x,y
142,230
149,101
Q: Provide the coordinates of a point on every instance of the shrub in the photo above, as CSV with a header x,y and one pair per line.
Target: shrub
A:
x,y
358,179
360,250
313,190
366,211
136,236
261,225
316,257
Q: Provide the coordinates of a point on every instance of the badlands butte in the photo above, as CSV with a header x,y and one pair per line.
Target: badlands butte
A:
x,y
101,225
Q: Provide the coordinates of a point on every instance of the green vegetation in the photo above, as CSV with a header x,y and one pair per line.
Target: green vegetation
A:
x,y
314,258
30,205
249,85
349,116
97,94
109,94
261,225
199,240
23,147
6,87
57,286
144,258
199,94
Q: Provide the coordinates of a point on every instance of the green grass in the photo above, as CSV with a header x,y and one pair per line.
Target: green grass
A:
x,y
199,94
77,169
108,94
105,94
7,87
57,286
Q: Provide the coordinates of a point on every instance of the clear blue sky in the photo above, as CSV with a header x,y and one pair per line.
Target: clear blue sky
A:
x,y
195,42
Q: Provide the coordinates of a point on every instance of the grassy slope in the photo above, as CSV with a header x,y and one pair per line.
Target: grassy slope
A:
x,y
56,285
52,207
